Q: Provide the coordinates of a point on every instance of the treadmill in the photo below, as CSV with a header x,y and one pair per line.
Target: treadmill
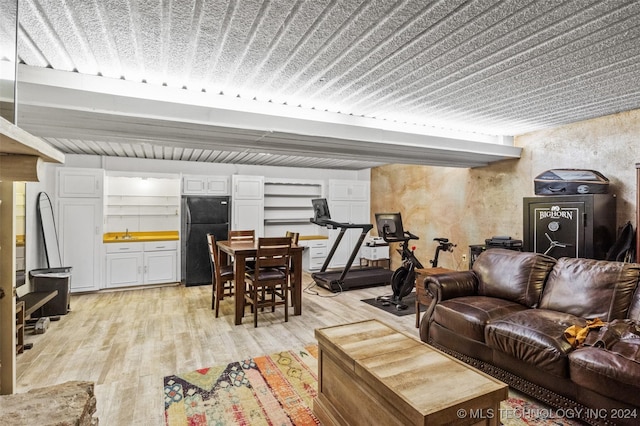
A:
x,y
348,278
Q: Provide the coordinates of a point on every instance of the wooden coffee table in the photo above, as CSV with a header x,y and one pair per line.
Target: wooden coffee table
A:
x,y
370,373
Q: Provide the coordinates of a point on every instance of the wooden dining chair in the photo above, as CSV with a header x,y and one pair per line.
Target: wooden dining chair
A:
x,y
246,235
222,276
268,284
295,237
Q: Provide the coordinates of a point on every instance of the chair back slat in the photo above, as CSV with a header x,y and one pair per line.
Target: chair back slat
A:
x,y
243,235
273,252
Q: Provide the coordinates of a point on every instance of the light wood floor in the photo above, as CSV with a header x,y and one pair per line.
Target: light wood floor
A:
x,y
127,341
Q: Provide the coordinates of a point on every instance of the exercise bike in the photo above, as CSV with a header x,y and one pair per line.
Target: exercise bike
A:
x,y
403,279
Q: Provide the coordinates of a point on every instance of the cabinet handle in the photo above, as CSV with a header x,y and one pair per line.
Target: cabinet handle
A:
x,y
146,269
160,247
124,248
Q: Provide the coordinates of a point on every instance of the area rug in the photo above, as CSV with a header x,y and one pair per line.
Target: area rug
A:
x,y
275,389
278,389
410,301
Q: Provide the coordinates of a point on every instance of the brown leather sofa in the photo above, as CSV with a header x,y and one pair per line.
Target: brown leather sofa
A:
x,y
508,315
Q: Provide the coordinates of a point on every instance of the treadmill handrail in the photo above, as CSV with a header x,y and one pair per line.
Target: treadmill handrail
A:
x,y
366,227
332,224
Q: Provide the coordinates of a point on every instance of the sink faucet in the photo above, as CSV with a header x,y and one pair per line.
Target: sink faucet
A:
x,y
126,234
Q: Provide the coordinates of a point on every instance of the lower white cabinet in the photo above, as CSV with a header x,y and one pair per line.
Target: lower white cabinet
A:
x,y
160,262
314,255
133,264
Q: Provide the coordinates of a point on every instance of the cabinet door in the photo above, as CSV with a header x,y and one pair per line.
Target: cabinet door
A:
x,y
124,269
84,183
247,187
248,214
217,185
160,267
80,240
194,184
205,185
348,190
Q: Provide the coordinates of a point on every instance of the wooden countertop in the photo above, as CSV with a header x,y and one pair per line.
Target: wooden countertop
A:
x,y
142,237
312,237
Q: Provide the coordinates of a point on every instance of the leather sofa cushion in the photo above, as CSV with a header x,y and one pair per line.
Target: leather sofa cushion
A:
x,y
535,336
634,310
467,316
511,275
609,372
591,288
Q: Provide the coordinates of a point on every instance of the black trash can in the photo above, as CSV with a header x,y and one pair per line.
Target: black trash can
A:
x,y
50,279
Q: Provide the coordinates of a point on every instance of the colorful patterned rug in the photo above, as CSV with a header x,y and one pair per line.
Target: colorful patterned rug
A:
x,y
278,389
275,389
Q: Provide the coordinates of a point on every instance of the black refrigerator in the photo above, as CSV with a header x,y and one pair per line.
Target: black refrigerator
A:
x,y
201,215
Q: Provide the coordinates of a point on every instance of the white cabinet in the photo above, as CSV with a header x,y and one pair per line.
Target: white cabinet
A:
x,y
80,239
132,264
314,254
375,252
349,190
160,262
247,203
348,202
82,183
124,265
205,185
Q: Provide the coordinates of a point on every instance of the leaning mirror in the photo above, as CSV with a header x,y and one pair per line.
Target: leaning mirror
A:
x,y
49,232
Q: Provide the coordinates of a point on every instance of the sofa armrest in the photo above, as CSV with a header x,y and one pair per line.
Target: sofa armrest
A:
x,y
442,287
451,284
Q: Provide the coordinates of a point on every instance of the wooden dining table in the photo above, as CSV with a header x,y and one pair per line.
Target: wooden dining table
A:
x,y
241,251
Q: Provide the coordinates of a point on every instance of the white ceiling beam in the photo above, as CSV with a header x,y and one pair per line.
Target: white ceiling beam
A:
x,y
69,105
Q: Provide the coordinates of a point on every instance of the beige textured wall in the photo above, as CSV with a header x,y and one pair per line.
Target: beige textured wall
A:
x,y
469,205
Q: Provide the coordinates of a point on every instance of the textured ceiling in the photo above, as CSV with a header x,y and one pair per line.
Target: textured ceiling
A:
x,y
482,67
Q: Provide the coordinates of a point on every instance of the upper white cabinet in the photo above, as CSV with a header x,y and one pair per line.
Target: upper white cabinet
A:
x,y
248,187
349,190
247,203
83,183
205,185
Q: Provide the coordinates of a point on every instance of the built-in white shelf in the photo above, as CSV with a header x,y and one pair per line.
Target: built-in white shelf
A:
x,y
287,205
142,204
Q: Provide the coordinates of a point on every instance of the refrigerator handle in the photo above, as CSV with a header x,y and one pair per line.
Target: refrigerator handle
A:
x,y
188,211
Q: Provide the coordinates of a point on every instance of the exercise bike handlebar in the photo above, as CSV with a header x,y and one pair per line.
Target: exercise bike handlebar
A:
x,y
393,239
411,236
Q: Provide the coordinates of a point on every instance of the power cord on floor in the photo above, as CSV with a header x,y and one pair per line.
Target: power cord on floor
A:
x,y
310,286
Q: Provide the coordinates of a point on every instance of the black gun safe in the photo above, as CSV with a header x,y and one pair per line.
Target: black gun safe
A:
x,y
570,225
